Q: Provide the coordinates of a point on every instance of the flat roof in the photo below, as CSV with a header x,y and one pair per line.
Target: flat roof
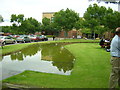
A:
x,y
48,12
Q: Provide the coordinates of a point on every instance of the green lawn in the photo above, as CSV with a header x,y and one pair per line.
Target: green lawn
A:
x,y
78,40
91,70
13,48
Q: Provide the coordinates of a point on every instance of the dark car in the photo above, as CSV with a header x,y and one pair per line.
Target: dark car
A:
x,y
43,38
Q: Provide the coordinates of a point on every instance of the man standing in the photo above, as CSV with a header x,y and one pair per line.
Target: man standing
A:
x,y
115,60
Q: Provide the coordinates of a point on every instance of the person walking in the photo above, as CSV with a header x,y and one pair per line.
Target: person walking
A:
x,y
115,60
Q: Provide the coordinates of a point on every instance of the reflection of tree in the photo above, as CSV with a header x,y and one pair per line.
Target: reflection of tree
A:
x,y
17,56
61,58
29,51
1,57
65,66
13,56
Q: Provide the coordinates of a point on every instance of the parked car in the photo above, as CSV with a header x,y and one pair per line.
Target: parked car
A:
x,y
43,38
34,38
6,39
23,39
16,36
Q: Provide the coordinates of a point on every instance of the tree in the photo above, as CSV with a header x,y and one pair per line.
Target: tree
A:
x,y
46,21
6,29
95,12
1,18
86,31
112,20
100,30
23,25
66,19
109,1
80,23
17,19
97,16
50,27
30,25
46,25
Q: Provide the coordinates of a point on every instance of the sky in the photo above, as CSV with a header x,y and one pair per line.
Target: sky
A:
x,y
35,8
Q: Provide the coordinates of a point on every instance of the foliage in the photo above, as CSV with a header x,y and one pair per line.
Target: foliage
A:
x,y
80,23
97,16
66,19
49,36
30,25
95,12
46,24
24,26
50,27
86,31
94,17
17,19
6,29
1,19
100,29
45,21
112,20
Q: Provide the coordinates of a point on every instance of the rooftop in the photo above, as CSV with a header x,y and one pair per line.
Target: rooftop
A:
x,y
48,12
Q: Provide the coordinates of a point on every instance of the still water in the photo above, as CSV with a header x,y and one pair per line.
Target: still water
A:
x,y
47,58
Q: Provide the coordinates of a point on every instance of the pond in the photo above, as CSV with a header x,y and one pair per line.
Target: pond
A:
x,y
47,58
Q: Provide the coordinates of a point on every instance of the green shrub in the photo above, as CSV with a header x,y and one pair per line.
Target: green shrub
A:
x,y
49,36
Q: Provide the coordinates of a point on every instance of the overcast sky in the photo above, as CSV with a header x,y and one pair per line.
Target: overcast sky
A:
x,y
35,8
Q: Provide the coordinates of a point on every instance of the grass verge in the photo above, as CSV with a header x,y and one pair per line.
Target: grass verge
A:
x,y
7,49
79,40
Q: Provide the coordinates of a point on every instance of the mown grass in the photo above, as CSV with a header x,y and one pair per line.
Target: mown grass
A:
x,y
91,70
79,40
13,48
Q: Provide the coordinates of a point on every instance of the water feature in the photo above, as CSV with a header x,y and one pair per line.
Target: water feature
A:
x,y
47,58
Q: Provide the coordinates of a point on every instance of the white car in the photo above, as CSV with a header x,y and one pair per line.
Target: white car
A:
x,y
6,39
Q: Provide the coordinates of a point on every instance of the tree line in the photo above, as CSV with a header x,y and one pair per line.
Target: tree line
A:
x,y
96,20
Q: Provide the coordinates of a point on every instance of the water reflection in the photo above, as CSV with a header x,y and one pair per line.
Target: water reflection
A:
x,y
49,58
29,51
61,58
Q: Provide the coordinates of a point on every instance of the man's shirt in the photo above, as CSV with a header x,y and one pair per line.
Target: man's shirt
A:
x,y
115,46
